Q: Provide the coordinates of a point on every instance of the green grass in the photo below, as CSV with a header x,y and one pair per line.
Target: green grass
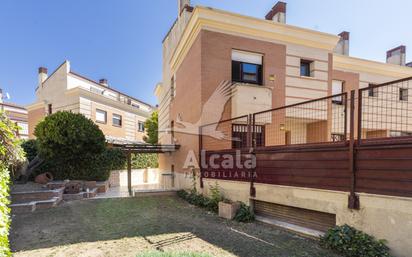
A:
x,y
142,226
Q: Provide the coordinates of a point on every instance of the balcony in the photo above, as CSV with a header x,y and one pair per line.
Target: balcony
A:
x,y
250,98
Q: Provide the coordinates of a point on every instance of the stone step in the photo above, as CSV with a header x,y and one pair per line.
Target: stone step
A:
x,y
47,203
35,205
30,196
22,207
154,192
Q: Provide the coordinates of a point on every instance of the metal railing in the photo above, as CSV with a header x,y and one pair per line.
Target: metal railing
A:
x,y
381,111
315,121
385,110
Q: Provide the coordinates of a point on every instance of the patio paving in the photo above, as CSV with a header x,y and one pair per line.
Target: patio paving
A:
x,y
129,226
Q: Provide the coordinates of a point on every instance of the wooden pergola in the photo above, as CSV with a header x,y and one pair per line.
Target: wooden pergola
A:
x,y
130,149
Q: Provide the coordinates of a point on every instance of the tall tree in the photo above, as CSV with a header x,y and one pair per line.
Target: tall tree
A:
x,y
151,126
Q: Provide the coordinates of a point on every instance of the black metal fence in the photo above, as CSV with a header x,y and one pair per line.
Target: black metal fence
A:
x,y
385,111
379,111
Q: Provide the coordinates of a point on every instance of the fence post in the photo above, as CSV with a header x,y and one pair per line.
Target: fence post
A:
x,y
359,116
252,145
345,126
129,171
353,201
200,156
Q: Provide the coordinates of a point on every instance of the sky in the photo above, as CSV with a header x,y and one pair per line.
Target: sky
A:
x,y
121,40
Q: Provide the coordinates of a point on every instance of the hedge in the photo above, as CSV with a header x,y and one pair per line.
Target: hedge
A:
x,y
10,154
144,160
73,147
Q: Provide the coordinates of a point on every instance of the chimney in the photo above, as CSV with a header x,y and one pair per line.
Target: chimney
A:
x,y
278,13
103,82
42,75
343,45
182,6
397,55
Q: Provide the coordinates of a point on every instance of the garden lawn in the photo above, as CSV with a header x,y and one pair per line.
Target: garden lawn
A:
x,y
147,227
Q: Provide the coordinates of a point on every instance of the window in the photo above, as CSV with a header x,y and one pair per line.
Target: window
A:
x,y
239,135
372,92
23,128
337,88
117,120
337,137
172,131
403,94
140,126
172,87
306,68
50,109
399,134
101,116
246,67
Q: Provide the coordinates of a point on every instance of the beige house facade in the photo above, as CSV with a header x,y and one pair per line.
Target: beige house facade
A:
x,y
119,116
17,114
273,64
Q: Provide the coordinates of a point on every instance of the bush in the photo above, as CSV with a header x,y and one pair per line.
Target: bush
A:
x,y
244,214
30,148
73,147
69,136
354,243
140,161
215,197
210,203
11,155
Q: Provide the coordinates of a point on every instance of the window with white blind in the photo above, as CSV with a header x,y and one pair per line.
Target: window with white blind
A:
x,y
140,125
117,120
101,116
247,67
23,128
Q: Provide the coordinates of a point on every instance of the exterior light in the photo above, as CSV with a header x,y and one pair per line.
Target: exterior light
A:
x,y
272,77
282,127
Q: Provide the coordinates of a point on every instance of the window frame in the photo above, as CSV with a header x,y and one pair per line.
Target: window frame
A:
x,y
105,116
372,91
309,63
403,97
120,120
138,126
240,68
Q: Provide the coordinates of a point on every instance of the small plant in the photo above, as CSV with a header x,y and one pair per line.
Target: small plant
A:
x,y
353,243
215,198
183,194
244,214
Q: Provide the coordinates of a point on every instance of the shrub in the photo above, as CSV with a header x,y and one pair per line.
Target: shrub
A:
x,y
11,154
215,197
151,126
210,203
30,148
69,136
73,147
354,243
140,161
244,214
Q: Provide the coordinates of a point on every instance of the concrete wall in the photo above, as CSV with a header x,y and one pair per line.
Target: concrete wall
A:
x,y
384,217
